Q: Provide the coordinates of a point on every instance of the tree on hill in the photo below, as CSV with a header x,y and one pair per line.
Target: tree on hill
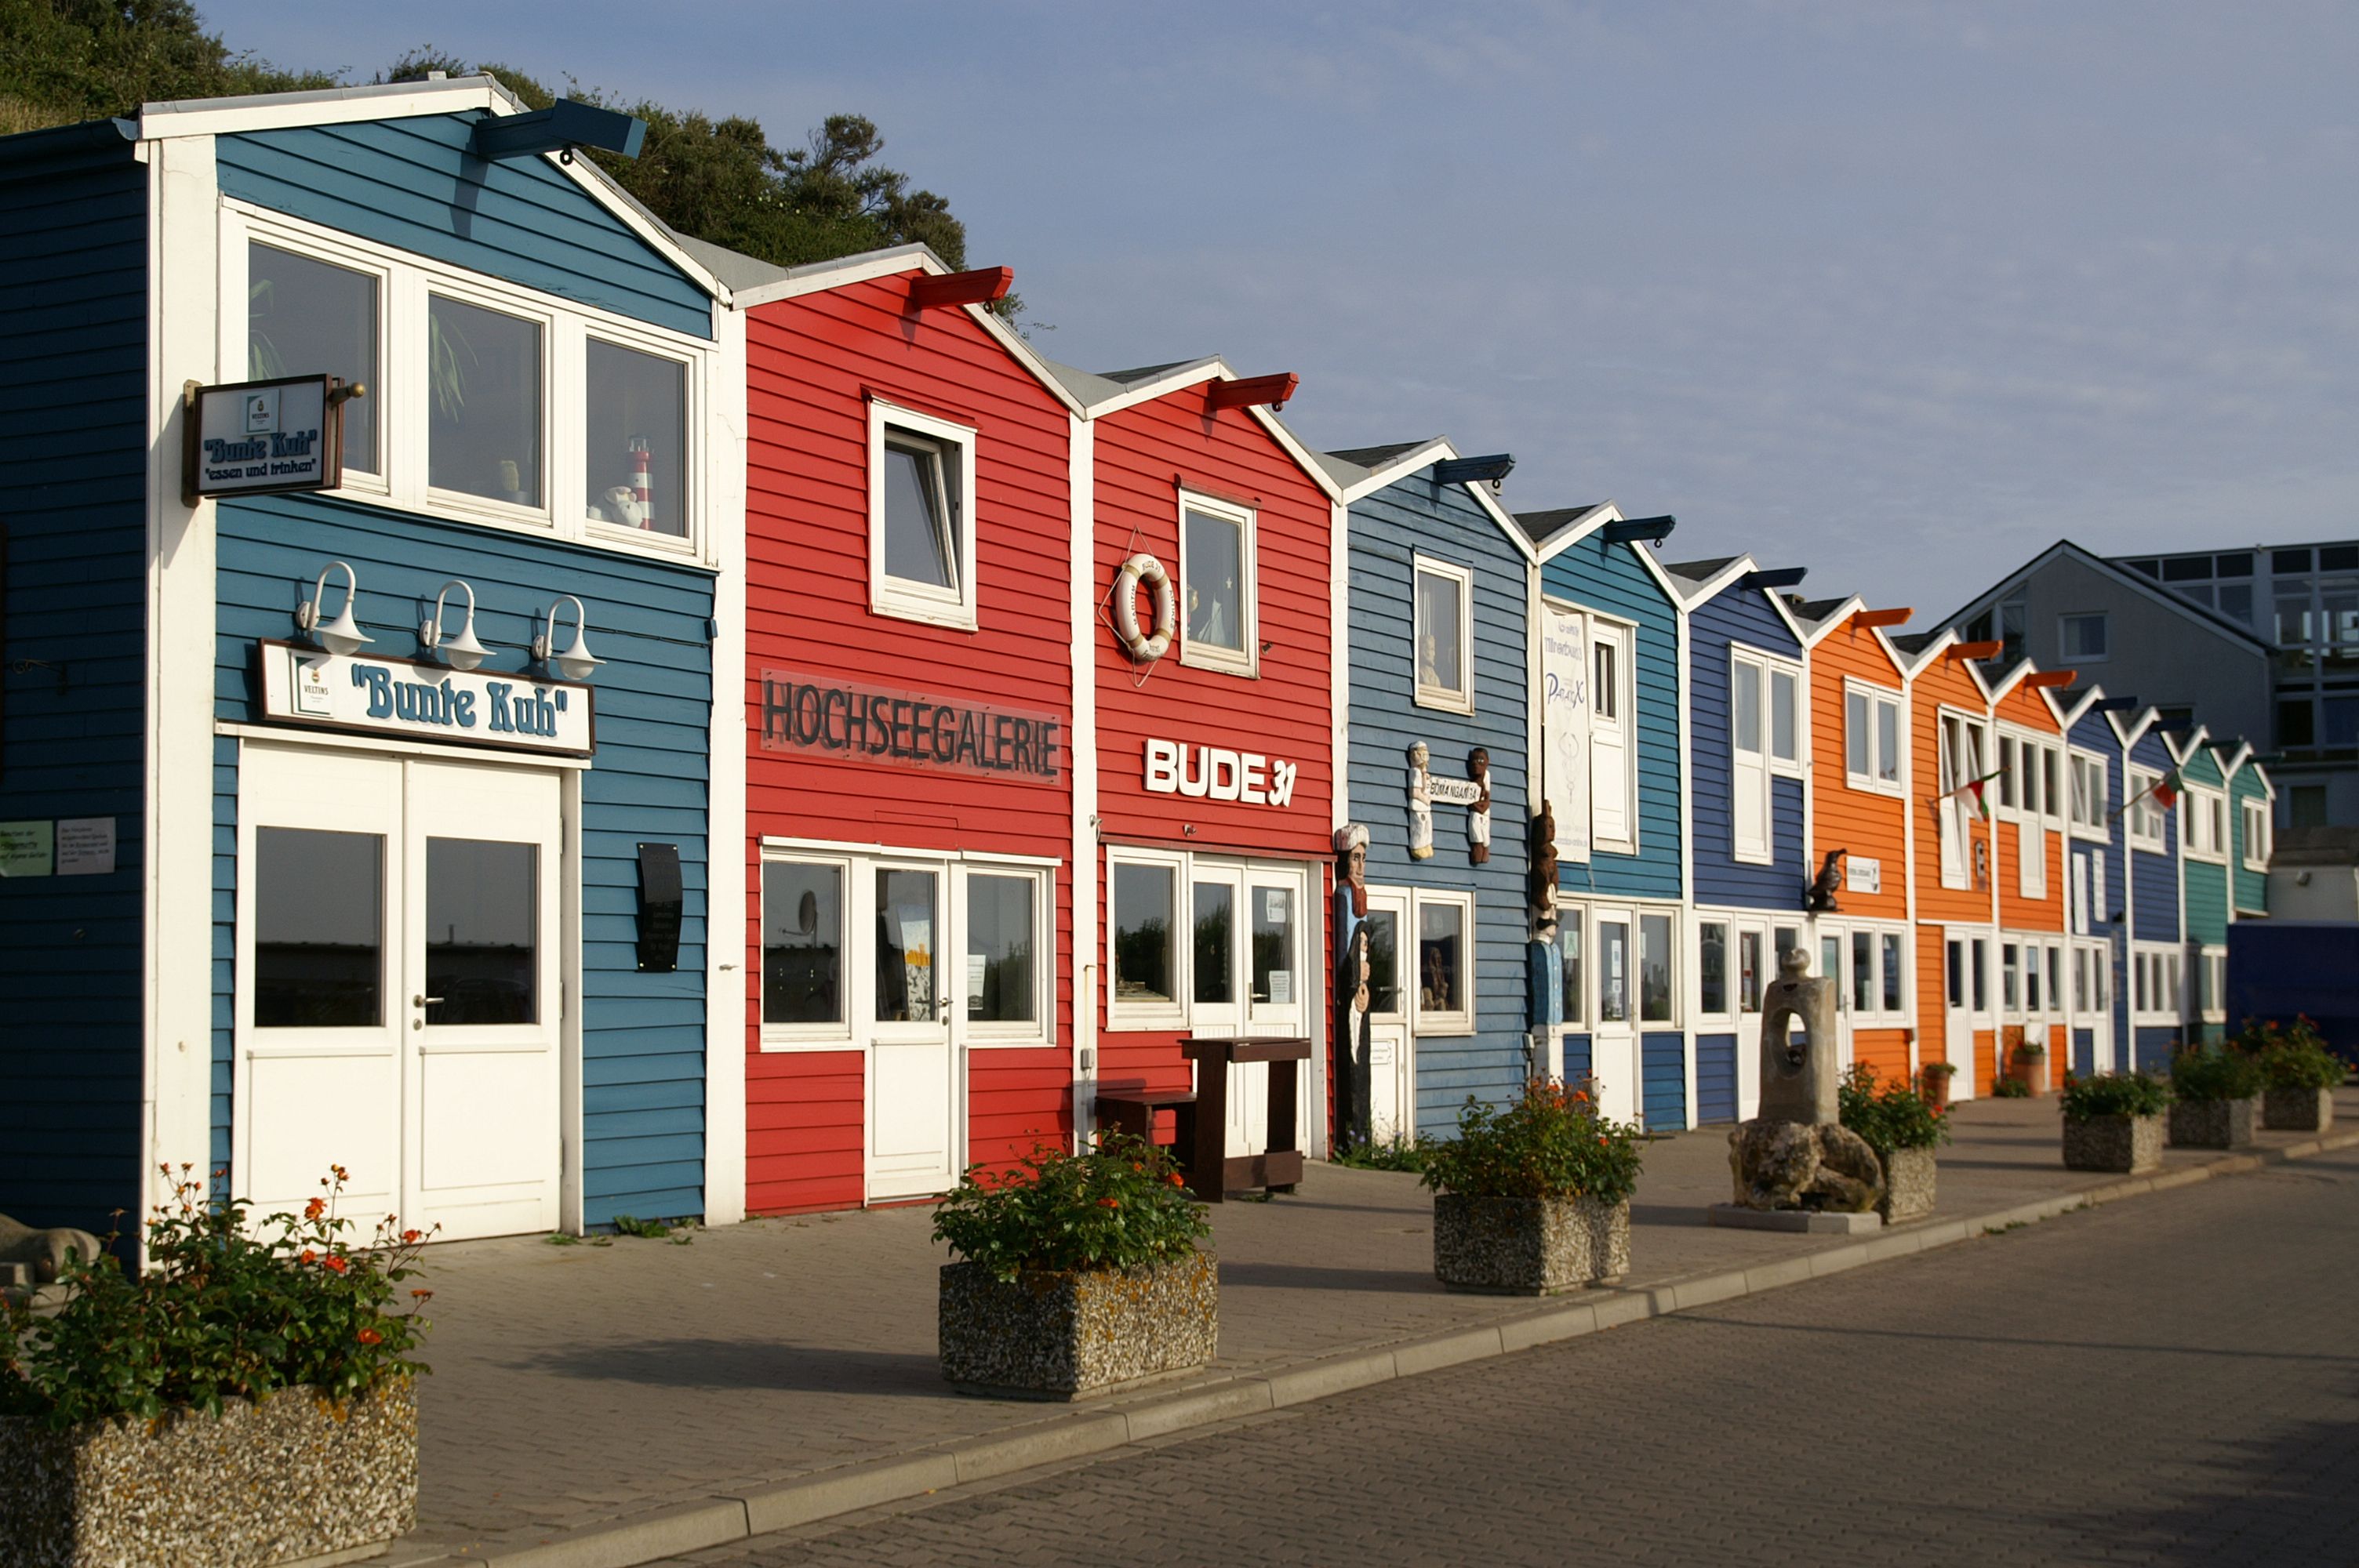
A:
x,y
63,60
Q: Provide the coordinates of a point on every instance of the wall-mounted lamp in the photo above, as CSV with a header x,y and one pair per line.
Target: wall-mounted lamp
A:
x,y
342,635
462,652
577,661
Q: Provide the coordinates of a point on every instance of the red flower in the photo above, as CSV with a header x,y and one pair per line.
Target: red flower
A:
x,y
315,1208
309,1256
1176,1180
410,1235
1109,1203
368,1336
336,1265
422,1295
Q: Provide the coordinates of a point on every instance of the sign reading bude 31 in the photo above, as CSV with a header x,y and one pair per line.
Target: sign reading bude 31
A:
x,y
259,438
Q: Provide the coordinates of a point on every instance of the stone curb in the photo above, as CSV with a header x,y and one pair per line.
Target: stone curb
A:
x,y
694,1527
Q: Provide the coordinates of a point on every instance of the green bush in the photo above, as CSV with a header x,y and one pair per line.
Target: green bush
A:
x,y
2011,1088
2294,1058
1891,1117
2201,1075
220,1314
1118,1205
1404,1154
1553,1143
2115,1094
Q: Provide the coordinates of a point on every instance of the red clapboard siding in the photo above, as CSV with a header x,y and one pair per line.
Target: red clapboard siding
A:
x,y
1142,457
813,362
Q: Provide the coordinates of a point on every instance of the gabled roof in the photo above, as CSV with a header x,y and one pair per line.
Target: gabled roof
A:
x,y
1551,531
1700,571
1097,393
1377,457
1694,583
2066,549
1364,471
1813,618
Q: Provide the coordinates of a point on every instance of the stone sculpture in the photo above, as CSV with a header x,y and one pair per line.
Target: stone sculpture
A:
x,y
33,1261
1797,1154
1421,802
1478,816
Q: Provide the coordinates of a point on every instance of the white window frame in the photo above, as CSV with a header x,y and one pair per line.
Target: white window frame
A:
x,y
2252,812
835,1035
1246,661
405,281
1752,843
2064,636
1624,724
953,607
1639,1022
1957,818
2083,765
2202,825
1005,1033
1456,1020
1883,702
1797,766
1446,698
1173,1015
1875,1015
1724,1016
2144,825
2213,972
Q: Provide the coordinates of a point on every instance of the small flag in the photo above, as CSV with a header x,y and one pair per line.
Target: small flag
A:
x,y
2166,790
1970,792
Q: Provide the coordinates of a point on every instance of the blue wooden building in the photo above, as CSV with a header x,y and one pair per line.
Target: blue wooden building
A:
x,y
1612,759
1439,601
359,727
2097,898
2154,988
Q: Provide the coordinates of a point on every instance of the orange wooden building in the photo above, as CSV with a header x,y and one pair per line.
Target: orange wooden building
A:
x,y
2028,871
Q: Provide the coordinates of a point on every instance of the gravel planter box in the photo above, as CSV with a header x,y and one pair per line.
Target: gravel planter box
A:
x,y
1908,1181
1528,1246
2127,1145
2214,1123
2298,1110
291,1480
1070,1335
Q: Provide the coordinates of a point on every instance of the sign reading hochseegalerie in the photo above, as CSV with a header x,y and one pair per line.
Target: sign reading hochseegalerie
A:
x,y
260,437
823,717
425,702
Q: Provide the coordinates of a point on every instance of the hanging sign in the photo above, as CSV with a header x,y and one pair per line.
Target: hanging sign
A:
x,y
1564,721
304,685
821,716
1216,773
261,437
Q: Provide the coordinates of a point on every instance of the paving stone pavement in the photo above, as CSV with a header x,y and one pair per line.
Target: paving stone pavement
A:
x,y
2166,1383
579,1386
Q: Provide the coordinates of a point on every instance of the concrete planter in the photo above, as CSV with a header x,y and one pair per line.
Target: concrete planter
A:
x,y
291,1480
1528,1246
1908,1181
1070,1335
2126,1146
2032,1071
2298,1110
2214,1123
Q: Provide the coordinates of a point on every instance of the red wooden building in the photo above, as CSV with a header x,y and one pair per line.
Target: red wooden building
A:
x,y
911,525
1215,788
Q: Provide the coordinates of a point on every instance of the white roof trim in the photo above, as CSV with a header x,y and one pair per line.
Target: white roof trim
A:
x,y
1604,512
1709,588
2228,762
1179,378
1424,455
1304,458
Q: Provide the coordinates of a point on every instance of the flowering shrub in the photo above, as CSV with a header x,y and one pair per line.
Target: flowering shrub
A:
x,y
2115,1094
1553,1143
2200,1075
1893,1116
1119,1204
2292,1058
2010,1088
219,1314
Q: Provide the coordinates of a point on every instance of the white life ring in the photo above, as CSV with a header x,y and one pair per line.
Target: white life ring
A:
x,y
1143,570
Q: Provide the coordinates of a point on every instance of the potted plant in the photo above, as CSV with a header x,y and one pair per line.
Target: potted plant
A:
x,y
247,1397
2299,1076
1533,1197
1078,1273
2113,1121
2032,1066
2214,1099
1936,1077
1903,1127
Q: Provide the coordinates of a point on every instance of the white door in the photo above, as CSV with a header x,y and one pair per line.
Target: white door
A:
x,y
914,1146
1613,1045
1392,1049
1967,981
1835,962
398,1008
1754,966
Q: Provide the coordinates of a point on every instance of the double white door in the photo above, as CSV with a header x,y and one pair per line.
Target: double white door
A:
x,y
399,1010
1966,1004
1250,977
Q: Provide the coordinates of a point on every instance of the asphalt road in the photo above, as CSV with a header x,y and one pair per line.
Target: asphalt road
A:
x,y
2172,1379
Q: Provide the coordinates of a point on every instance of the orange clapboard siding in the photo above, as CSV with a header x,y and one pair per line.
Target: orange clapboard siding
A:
x,y
1946,683
2028,709
1869,825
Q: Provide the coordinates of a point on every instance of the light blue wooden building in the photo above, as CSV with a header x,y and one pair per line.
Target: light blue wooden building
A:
x,y
1438,598
365,822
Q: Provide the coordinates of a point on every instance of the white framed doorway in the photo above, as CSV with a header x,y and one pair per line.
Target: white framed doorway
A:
x,y
400,1008
1249,974
1392,1048
1613,1041
1966,1009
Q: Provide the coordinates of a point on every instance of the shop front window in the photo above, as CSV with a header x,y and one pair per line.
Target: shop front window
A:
x,y
482,937
802,943
1000,983
318,963
1214,969
1568,944
484,411
1748,971
1142,935
1274,983
1711,967
308,317
637,447
906,944
1613,971
1384,963
1655,969
1440,959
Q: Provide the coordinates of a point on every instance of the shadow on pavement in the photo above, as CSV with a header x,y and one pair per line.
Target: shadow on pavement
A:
x,y
1305,1277
745,1364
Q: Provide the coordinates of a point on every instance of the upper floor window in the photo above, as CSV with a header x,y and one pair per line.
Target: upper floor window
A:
x,y
1872,738
484,433
2083,638
635,472
2255,820
2088,803
920,523
1444,635
2207,821
303,317
2145,812
1216,585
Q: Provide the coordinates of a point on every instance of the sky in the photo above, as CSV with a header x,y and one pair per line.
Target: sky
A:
x,y
1899,292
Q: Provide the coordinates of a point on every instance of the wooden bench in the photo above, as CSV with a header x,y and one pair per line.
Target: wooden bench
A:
x,y
1131,1109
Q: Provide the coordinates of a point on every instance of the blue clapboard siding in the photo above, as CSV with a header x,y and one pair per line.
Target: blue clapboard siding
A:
x,y
1728,620
412,183
73,412
2154,1043
2095,732
1715,1078
1578,1060
642,1034
2154,918
1663,1076
1417,516
1612,580
2084,1050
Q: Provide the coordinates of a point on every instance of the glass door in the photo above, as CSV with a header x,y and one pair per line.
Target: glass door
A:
x,y
1392,1094
913,1133
1613,1047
